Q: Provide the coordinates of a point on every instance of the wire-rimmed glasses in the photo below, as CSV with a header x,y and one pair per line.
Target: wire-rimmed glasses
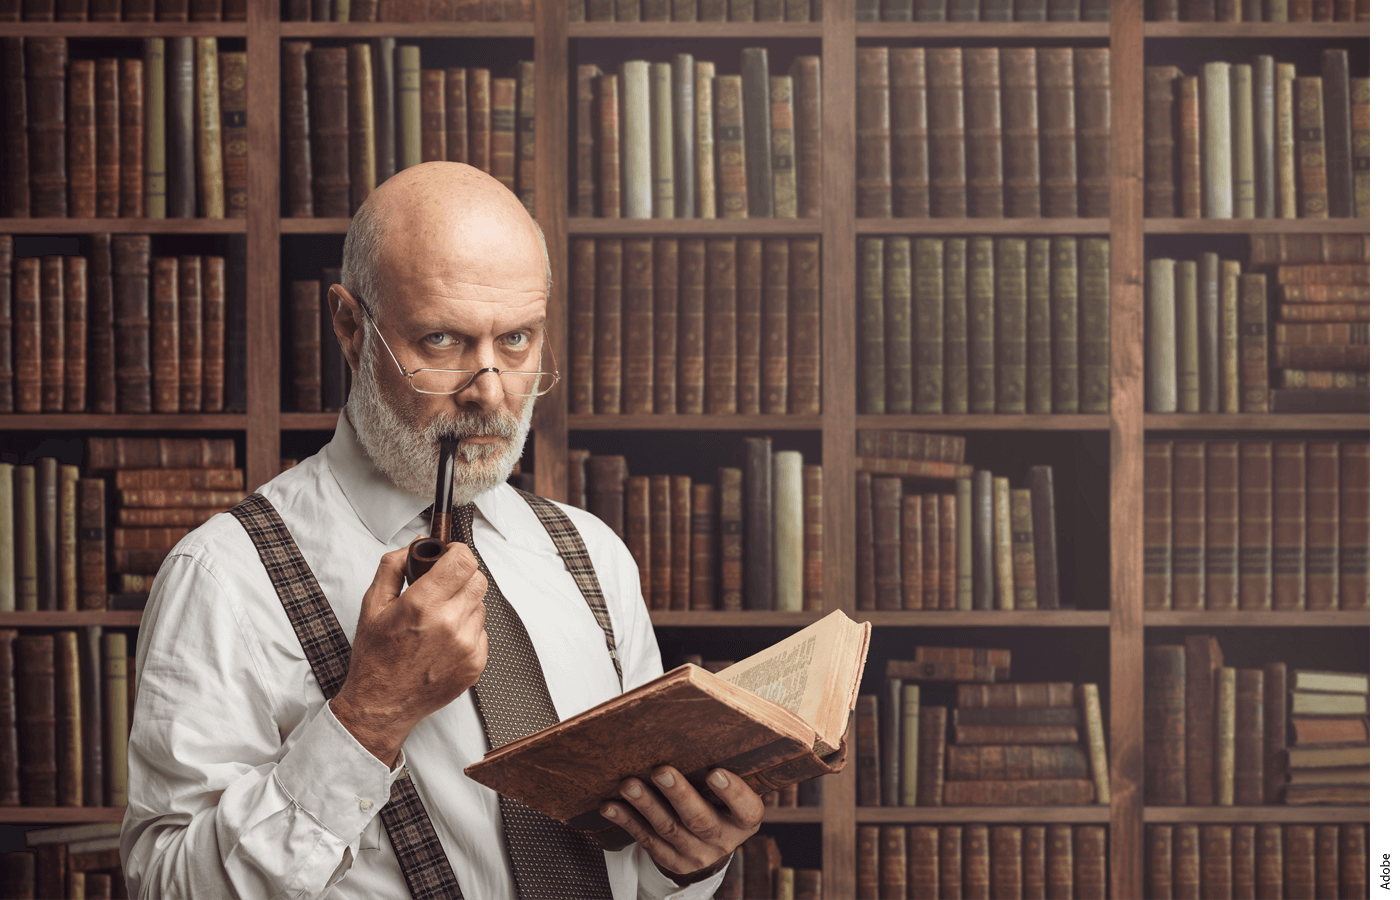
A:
x,y
452,381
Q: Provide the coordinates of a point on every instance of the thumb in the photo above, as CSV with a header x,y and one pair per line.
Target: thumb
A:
x,y
387,583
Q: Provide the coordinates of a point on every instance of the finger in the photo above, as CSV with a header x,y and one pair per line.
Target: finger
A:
x,y
661,852
745,806
453,570
662,818
694,812
387,582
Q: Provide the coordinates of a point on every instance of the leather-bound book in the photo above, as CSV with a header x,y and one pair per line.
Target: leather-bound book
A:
x,y
1186,861
927,325
189,315
1006,861
982,102
107,138
159,453
690,337
1217,855
807,134
212,316
1336,112
922,852
9,736
874,179
1091,122
408,109
131,303
35,715
929,552
1290,524
335,372
115,716
1010,324
503,110
638,327
1299,861
731,147
679,535
1059,174
867,862
208,129
582,267
1243,178
886,502
749,323
1265,123
1355,521
804,326
1188,148
1160,151
1045,554
1285,141
45,68
758,523
1203,662
607,478
1190,318
586,187
731,538
1361,146
1322,530
454,113
1159,862
909,147
947,159
28,336
16,130
1039,792
1249,737
865,542
1256,512
976,861
297,128
773,371
7,372
1090,862
911,532
67,543
894,861
67,719
607,350
1004,595
1188,525
871,334
783,148
1268,855
1352,861
525,134
26,538
659,546
1020,132
51,343
681,113
983,546
361,125
385,108
1242,879
132,112
721,325
181,168
1164,727
637,532
898,316
330,132
867,740
981,325
1253,339
1224,761
1093,324
758,130
92,544
1039,365
1310,129
75,333
812,567
955,326
165,335
172,10
950,856
1000,762
761,863
1328,886
1222,524
306,306
705,188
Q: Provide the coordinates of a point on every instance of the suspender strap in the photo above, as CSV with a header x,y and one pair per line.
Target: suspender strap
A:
x,y
420,854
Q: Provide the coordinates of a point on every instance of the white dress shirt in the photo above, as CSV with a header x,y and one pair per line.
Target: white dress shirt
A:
x,y
244,784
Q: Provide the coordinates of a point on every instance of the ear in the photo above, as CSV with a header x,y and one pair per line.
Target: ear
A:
x,y
348,332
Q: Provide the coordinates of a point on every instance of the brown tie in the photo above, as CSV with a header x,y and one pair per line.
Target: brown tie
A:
x,y
550,859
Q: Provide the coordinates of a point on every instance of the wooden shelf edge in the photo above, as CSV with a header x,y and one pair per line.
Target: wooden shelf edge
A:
x,y
721,618
493,30
1004,618
809,30
902,815
1256,226
795,815
982,226
1164,618
1274,30
60,815
581,226
128,225
1054,422
1257,422
123,422
305,421
693,423
1249,814
1039,30
126,29
113,618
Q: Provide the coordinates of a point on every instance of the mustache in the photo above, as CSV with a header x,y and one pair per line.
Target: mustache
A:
x,y
470,423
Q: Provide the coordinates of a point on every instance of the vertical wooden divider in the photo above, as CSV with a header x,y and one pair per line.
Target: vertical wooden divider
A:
x,y
1125,639
264,436
550,424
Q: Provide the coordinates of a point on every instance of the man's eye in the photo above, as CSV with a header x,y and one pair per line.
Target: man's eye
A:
x,y
438,339
518,340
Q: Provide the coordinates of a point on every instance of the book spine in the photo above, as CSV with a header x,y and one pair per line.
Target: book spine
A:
x,y
1164,726
867,734
660,142
983,546
994,762
131,323
886,503
1009,326
607,351
1004,596
783,148
306,353
638,531
16,140
1249,737
9,737
1328,882
7,372
773,372
1352,861
382,52
524,134
181,156
927,326
807,133
874,173
408,109
865,542
1208,331
1039,365
683,133
909,147
1242,140
1054,108
1269,860
749,323
871,306
297,136
804,326
26,539
67,544
1188,525
911,532
721,324
691,327
1090,861
1322,525
585,188
1042,792
1224,763
1361,146
679,537
116,716
659,546
1222,524
1336,109
1229,357
107,123
165,334
1299,860
638,326
1264,137
1256,524
702,547
929,551
1290,525
208,135
1313,194
731,543
502,135
705,125
75,334
898,319
635,139
1242,863
28,336
923,860
787,552
51,342
1093,325
233,113
1203,662
1091,118
982,79
190,340
1188,328
1354,563
981,325
45,68
1160,151
35,716
1161,348
1064,324
1020,132
894,861
964,556
1186,859
1006,861
950,855
976,854
1216,148
1189,160
955,327
1285,75
947,157
665,295
68,720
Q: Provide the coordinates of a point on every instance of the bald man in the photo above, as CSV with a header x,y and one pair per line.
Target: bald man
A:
x,y
245,780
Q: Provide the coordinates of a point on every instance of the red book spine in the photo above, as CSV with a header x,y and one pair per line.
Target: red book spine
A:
x,y
107,133
165,335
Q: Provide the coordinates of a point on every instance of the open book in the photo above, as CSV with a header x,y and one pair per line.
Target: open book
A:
x,y
773,719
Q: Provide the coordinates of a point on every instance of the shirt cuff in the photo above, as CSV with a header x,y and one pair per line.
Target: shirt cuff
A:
x,y
328,773
651,883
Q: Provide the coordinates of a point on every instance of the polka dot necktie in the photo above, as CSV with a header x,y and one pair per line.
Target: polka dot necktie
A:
x,y
550,859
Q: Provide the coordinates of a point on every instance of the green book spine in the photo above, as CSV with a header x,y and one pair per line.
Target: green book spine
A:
x,y
872,325
981,325
1010,326
1093,325
955,326
928,313
1208,322
899,370
1038,354
1064,324
758,127
1188,347
408,103
964,545
909,746
1161,336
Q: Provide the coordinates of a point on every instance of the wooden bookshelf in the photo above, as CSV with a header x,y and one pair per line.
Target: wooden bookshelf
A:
x,y
1255,814
933,815
59,815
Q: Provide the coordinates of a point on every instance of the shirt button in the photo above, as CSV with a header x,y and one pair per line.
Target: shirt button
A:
x,y
366,806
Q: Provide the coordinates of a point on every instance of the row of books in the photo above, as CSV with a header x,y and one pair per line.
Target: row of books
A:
x,y
756,872
718,325
66,861
983,546
982,132
65,700
408,10
982,10
164,135
1261,10
983,325
978,860
124,11
1219,736
1256,525
1267,860
320,377
119,331
1258,141
356,115
677,140
753,543
695,10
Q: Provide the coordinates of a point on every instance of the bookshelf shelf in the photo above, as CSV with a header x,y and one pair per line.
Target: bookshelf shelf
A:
x,y
107,30
115,618
1271,30
987,422
1311,814
982,618
695,30
982,226
644,422
491,30
919,815
794,815
123,422
321,421
1002,30
315,226
1257,422
648,227
1350,618
124,226
60,815
1256,226
723,618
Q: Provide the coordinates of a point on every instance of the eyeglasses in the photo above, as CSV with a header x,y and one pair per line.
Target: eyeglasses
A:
x,y
453,381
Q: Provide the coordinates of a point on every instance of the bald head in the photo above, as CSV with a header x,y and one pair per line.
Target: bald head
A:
x,y
445,223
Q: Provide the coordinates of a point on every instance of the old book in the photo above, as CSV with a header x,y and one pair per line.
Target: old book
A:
x,y
1249,737
306,346
7,395
1203,663
1091,112
1222,514
1088,696
911,552
213,319
182,170
1186,860
1329,730
16,142
1216,856
1009,325
1207,298
1217,155
45,69
927,324
731,541
783,146
1033,882
47,530
898,344
585,160
525,177
1311,135
922,849
638,333
1050,715
984,569
209,150
27,333
865,542
361,123
930,549
787,530
1361,146
608,331
1006,861
51,338
68,719
1299,860
946,154
637,533
665,297
296,140
807,134
659,545
705,115
1188,153
1015,734
104,454
886,500
1243,176
955,329
1093,325
867,737
1354,539
75,333
1020,132
874,173
1352,860
730,148
1016,696
67,538
1188,525
678,538
81,124
941,670
1268,856
691,327
1039,365
959,572
1322,528
607,477
1337,133
976,858
502,133
1004,595
908,128
582,268
1256,514
1016,762
189,317
1164,718
1040,792
1224,761
982,99
10,793
871,335
26,538
721,318
803,277
748,323
1160,151
1253,339
982,283
635,139
115,716
35,716
1286,184
950,855
408,109
165,334
702,547
1187,335
1229,357
233,121
802,749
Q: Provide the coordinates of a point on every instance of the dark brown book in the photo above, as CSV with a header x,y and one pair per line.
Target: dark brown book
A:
x,y
983,546
909,146
607,349
637,529
870,307
213,320
68,738
131,321
1337,132
1006,861
181,151
1223,474
503,112
1160,151
107,136
1091,122
666,299
1268,856
35,716
1295,249
804,326
1328,885
306,345
75,334
1059,176
865,542
894,861
28,336
1015,734
922,849
296,138
1275,731
582,268
1186,861
1322,529
761,862
1216,856
1159,862
1016,696
1188,525
585,193
7,372
947,157
937,670
731,540
16,130
1090,862
867,861
9,736
1020,132
703,558
677,538
1015,762
92,544
690,337
638,331
1040,792
165,335
659,545
982,104
748,304
51,343
329,89
190,311
774,330
874,178
886,537
1164,727
1249,737
950,855
807,133
1354,542
1290,524
607,478
721,324
45,69
758,523
82,139
1056,715
1299,861
1203,661
101,363
1352,861
976,860
1256,514
867,737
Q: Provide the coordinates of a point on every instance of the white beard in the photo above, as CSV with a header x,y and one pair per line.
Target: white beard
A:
x,y
407,452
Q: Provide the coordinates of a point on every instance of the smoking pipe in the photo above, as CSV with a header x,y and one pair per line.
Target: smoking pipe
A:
x,y
425,551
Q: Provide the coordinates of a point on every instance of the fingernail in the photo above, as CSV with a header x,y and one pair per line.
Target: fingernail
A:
x,y
718,780
633,790
610,812
665,779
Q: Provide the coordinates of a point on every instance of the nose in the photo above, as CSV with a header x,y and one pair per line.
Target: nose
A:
x,y
485,390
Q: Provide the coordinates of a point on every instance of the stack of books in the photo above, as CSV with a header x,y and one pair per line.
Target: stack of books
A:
x,y
53,546
677,140
356,115
1256,525
320,377
982,132
757,872
983,325
156,137
978,860
1258,140
696,325
408,11
126,11
695,10
1268,860
67,861
752,543
982,11
1329,755
1269,11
